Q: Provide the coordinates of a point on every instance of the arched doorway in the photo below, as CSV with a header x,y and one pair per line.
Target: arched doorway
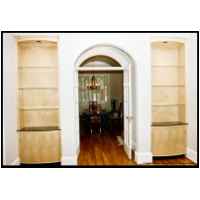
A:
x,y
108,58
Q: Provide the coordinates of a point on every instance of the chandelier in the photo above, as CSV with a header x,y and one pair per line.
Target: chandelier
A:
x,y
94,84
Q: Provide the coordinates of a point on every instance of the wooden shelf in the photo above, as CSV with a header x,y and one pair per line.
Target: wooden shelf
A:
x,y
169,123
38,88
178,66
35,129
40,108
168,105
168,85
36,67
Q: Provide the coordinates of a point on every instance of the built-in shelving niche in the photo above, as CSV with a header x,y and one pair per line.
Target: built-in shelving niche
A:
x,y
168,98
38,107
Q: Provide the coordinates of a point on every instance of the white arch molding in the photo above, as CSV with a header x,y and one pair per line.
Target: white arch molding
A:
x,y
105,50
127,67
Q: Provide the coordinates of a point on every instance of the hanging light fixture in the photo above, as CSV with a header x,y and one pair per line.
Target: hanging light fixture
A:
x,y
93,85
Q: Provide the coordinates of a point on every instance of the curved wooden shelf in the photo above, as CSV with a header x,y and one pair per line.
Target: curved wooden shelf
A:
x,y
168,86
35,129
168,105
39,108
37,66
163,65
38,88
169,123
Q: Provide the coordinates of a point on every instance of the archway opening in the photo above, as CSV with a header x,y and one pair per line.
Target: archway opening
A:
x,y
104,106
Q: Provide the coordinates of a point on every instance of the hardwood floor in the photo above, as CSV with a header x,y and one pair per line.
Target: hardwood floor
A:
x,y
175,160
102,150
98,150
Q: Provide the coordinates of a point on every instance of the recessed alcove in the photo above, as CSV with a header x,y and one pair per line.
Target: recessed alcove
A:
x,y
38,108
168,98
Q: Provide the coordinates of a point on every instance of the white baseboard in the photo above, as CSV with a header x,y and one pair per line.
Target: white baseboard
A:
x,y
15,162
143,157
71,160
192,155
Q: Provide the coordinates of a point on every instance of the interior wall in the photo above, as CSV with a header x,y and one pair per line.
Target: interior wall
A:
x,y
192,109
71,46
116,87
10,139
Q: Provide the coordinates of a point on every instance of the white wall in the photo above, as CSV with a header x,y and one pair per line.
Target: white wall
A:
x,y
191,82
137,45
10,139
143,100
69,138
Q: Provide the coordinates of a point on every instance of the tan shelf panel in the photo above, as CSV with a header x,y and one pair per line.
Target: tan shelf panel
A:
x,y
39,118
165,114
168,54
40,77
46,54
168,76
168,113
168,95
34,98
40,146
169,140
